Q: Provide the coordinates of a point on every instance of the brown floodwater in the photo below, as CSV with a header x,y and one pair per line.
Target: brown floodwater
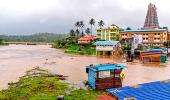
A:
x,y
15,60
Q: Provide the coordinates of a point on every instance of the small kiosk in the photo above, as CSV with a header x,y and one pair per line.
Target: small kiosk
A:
x,y
103,76
154,55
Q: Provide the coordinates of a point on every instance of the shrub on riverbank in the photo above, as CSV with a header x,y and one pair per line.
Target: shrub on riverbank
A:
x,y
39,84
78,49
2,42
82,95
70,46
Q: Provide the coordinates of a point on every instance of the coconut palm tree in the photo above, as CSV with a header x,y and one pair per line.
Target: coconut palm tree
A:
x,y
77,33
77,24
82,34
101,23
72,33
88,31
128,28
92,23
81,26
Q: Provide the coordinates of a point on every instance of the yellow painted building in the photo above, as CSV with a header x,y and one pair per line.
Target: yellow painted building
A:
x,y
107,34
151,37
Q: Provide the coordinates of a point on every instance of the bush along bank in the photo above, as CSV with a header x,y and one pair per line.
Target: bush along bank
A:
x,y
39,84
70,46
79,49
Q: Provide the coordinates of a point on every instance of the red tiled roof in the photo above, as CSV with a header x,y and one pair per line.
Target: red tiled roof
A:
x,y
87,38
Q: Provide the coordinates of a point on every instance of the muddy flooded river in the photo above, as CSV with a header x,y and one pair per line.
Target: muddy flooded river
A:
x,y
15,60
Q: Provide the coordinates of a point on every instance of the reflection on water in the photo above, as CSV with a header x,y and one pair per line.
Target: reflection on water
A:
x,y
16,59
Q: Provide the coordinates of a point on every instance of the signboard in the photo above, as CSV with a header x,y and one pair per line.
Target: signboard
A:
x,y
137,39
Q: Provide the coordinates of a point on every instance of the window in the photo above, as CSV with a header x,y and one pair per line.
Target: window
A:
x,y
146,38
104,74
158,38
158,33
143,38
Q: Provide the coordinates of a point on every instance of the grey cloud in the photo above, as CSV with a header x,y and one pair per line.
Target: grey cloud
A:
x,y
61,18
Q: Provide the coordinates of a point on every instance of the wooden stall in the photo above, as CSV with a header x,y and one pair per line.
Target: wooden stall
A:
x,y
103,76
152,57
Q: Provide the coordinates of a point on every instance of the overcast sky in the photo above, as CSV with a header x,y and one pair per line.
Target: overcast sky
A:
x,y
59,16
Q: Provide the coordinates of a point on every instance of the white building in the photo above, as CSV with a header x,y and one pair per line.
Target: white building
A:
x,y
106,47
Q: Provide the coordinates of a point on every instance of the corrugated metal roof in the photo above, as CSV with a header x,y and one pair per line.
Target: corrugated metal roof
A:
x,y
158,50
106,43
100,67
146,30
148,91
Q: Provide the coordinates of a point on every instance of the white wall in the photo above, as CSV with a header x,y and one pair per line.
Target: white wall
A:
x,y
105,48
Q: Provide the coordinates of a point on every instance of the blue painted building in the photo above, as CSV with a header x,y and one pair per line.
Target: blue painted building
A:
x,y
102,76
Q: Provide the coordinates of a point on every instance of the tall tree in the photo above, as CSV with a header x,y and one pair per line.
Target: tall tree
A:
x,y
88,31
101,23
92,23
82,34
77,33
82,26
128,28
77,24
72,33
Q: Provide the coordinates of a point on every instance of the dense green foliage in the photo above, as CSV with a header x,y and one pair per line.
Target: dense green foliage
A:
x,y
39,84
62,43
79,49
39,37
70,46
1,41
82,95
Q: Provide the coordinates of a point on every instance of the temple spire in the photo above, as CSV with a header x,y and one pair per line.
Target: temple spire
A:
x,y
151,21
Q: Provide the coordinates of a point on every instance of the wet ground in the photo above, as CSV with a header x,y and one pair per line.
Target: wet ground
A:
x,y
15,60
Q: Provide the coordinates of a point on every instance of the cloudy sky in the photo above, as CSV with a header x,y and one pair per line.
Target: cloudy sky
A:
x,y
59,16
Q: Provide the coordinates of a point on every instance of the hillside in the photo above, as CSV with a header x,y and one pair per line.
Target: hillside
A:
x,y
39,37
